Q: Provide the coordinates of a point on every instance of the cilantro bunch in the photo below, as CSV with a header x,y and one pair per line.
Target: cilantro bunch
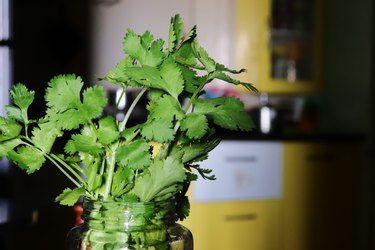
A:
x,y
105,158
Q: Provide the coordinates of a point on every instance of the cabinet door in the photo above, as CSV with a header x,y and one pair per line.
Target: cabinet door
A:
x,y
235,225
279,43
241,209
318,202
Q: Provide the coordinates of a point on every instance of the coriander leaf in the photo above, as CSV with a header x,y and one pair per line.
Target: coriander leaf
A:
x,y
147,76
117,75
63,93
168,192
160,175
93,179
202,55
86,158
227,112
172,76
185,56
190,79
224,77
130,133
69,197
168,78
94,100
194,151
64,101
176,32
221,67
182,207
133,46
195,125
9,145
83,143
9,129
21,96
165,108
191,34
27,158
158,130
15,113
122,182
107,131
45,136
146,39
135,155
204,173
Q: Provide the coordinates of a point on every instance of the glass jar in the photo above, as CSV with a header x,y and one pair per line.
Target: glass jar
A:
x,y
111,225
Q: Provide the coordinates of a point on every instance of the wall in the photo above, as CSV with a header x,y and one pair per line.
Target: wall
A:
x,y
110,22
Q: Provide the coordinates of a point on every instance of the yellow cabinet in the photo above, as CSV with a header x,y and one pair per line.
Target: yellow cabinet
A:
x,y
279,43
235,225
315,209
241,209
319,195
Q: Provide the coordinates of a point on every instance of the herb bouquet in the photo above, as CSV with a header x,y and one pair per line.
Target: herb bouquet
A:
x,y
133,178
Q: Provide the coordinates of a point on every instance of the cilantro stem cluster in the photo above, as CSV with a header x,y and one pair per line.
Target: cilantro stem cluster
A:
x,y
105,158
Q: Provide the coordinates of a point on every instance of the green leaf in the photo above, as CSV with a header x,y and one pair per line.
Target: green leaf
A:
x,y
45,136
182,207
134,46
94,101
195,125
130,133
14,113
64,93
83,143
165,108
168,78
21,96
27,158
122,183
190,79
93,179
202,55
135,155
185,56
194,151
176,32
107,131
9,129
224,77
69,197
117,75
158,130
63,98
160,175
7,146
227,112
172,76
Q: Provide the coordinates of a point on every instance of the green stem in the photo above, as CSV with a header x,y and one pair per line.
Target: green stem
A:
x,y
53,161
67,166
63,171
111,169
119,100
132,106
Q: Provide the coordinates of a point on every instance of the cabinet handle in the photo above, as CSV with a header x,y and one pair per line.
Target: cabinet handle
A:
x,y
240,217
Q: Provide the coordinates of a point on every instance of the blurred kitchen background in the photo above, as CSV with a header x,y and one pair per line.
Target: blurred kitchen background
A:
x,y
304,179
